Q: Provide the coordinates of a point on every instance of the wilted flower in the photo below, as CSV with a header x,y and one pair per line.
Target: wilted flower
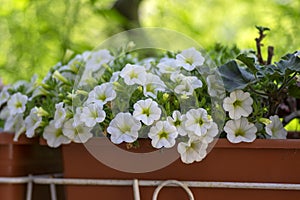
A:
x,y
32,122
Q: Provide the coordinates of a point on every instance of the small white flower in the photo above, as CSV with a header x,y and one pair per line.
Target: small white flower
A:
x,y
215,86
13,122
193,150
133,74
102,94
189,59
275,129
152,85
177,120
147,111
77,133
32,122
92,114
185,84
17,103
163,134
97,59
239,104
123,128
115,77
240,130
4,96
54,136
207,137
168,66
59,115
297,53
198,121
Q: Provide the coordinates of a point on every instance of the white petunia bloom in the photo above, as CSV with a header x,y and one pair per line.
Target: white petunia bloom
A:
x,y
147,111
208,136
54,136
17,103
102,94
239,104
197,121
4,96
163,134
275,129
32,122
124,128
168,66
240,130
59,115
76,132
152,85
189,59
185,84
133,74
13,123
92,114
97,59
114,77
191,151
177,120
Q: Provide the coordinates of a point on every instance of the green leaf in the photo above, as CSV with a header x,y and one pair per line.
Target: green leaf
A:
x,y
249,62
294,91
235,77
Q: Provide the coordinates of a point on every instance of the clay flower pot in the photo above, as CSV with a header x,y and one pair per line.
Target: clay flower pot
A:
x,y
27,156
265,161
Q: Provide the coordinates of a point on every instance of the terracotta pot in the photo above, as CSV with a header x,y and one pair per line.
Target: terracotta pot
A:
x,y
26,157
275,161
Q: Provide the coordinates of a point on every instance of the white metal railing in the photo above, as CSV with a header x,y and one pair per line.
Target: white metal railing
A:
x,y
53,180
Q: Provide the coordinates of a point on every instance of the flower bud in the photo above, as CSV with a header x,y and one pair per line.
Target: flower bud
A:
x,y
57,75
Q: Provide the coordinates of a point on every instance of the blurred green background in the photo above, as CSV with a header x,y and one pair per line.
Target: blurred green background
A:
x,y
35,34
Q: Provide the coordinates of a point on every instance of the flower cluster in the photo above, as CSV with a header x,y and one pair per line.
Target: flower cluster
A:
x,y
173,98
162,98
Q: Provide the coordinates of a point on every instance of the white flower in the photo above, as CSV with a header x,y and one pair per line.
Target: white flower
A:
x,y
240,130
189,59
152,85
215,86
54,136
97,59
133,74
102,94
32,122
185,84
123,128
14,122
275,129
207,137
92,114
193,150
4,96
163,134
168,66
198,121
59,115
177,120
238,104
77,133
115,77
147,111
17,103
297,53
